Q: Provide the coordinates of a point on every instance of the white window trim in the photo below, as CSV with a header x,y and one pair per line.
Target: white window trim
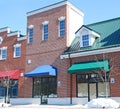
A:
x,y
81,41
60,19
29,27
3,48
88,40
15,46
44,23
1,40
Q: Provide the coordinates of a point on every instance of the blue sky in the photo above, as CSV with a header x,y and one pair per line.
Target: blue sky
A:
x,y
13,12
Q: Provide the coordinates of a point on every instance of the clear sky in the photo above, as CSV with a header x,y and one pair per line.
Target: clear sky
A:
x,y
13,12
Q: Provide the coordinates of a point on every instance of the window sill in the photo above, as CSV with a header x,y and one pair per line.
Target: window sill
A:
x,y
17,57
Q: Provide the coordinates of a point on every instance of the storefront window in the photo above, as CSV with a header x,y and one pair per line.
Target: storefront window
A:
x,y
82,90
45,86
82,84
100,81
103,89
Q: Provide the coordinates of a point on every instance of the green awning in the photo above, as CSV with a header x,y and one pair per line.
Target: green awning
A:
x,y
89,66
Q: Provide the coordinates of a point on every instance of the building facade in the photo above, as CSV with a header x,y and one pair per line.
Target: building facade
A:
x,y
12,62
50,30
62,61
94,56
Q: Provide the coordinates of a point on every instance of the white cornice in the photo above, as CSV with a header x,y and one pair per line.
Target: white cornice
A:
x,y
88,53
21,38
13,34
54,6
5,29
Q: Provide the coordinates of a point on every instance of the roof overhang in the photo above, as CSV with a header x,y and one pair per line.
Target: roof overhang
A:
x,y
12,74
89,66
44,70
88,53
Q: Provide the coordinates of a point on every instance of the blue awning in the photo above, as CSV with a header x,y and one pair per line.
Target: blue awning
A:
x,y
45,70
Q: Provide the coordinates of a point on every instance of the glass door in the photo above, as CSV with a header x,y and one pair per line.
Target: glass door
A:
x,y
92,90
44,90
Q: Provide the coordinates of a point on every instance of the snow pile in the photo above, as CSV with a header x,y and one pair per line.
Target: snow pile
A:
x,y
102,102
5,105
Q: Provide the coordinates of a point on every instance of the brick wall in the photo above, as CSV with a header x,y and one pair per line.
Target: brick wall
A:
x,y
114,61
48,52
12,63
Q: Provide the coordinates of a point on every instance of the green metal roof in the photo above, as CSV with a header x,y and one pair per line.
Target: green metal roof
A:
x,y
89,66
109,31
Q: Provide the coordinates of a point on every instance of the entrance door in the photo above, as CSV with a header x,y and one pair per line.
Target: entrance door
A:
x,y
92,90
44,90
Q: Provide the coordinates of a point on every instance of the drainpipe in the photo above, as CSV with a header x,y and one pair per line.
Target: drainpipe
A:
x,y
70,81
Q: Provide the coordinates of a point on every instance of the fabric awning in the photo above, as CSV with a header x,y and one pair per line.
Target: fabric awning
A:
x,y
89,66
12,74
45,70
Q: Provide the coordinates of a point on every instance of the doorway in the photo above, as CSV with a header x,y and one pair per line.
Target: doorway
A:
x,y
92,91
44,88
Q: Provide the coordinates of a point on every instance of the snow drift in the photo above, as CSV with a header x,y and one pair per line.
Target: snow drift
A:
x,y
102,102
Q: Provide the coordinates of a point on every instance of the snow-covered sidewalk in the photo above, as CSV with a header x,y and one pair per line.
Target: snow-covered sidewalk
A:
x,y
95,103
33,106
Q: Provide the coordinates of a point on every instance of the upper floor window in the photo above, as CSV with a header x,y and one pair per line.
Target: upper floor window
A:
x,y
3,53
85,40
45,30
1,39
31,34
61,26
17,50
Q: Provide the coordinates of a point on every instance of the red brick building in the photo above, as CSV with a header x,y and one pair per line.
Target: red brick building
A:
x,y
94,61
59,65
12,61
50,30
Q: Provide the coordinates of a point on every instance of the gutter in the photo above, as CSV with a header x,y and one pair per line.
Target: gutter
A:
x,y
88,53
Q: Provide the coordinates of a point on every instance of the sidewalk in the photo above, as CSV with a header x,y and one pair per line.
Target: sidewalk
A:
x,y
44,107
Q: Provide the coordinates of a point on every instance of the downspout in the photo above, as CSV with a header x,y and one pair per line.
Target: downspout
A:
x,y
70,80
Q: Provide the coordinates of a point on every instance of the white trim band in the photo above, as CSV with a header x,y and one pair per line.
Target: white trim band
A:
x,y
88,53
13,34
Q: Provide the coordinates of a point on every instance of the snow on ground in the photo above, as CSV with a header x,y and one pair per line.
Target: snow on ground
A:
x,y
95,103
102,102
4,105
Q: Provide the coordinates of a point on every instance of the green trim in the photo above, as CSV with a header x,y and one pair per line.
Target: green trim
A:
x,y
89,66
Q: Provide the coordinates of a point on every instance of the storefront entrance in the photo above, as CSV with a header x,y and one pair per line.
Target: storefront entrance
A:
x,y
44,88
92,91
93,86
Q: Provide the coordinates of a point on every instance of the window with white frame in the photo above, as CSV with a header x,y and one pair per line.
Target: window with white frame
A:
x,y
45,30
1,40
30,34
17,50
3,53
85,40
61,26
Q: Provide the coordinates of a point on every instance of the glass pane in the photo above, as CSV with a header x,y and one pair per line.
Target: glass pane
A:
x,y
82,90
62,27
103,89
30,35
36,89
45,87
92,91
52,87
45,27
